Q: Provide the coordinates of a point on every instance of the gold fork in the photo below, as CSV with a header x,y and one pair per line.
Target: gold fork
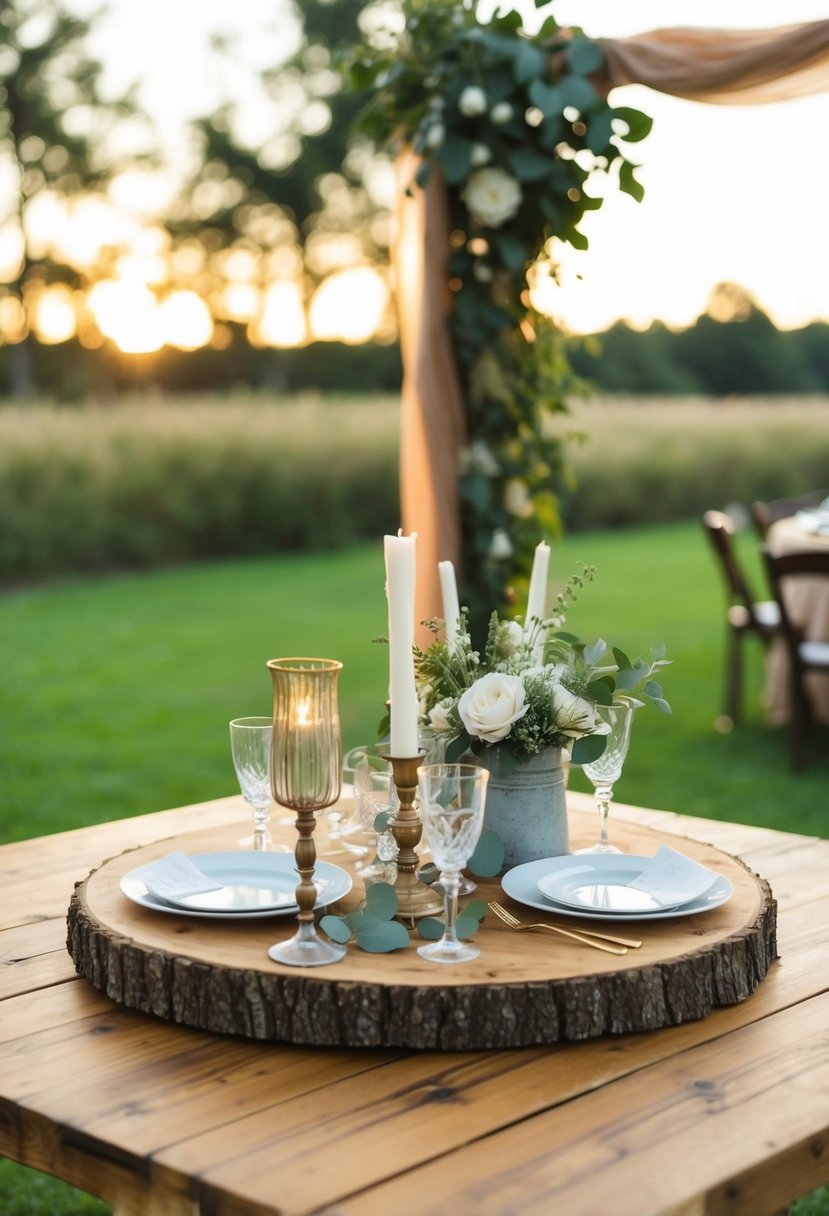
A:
x,y
587,937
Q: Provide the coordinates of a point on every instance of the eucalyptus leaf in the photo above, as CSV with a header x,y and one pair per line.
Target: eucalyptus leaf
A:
x,y
466,926
548,97
528,62
458,746
628,183
476,908
588,749
638,124
428,873
512,250
529,166
455,157
382,820
661,705
337,928
600,692
622,661
584,56
578,92
381,900
488,855
430,928
381,936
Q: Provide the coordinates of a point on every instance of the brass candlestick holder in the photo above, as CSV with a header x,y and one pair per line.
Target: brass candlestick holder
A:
x,y
414,898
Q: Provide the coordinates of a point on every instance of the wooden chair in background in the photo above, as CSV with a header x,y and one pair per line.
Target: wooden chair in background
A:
x,y
744,614
805,656
764,514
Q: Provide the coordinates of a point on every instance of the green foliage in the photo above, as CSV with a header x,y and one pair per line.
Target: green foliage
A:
x,y
540,687
515,126
467,922
372,925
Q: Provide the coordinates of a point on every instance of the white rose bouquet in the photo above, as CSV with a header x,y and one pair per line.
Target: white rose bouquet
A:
x,y
534,687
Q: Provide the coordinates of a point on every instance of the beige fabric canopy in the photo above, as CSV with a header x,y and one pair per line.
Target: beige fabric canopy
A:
x,y
736,67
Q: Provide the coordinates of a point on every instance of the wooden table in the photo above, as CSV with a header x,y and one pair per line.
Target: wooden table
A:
x,y
726,1114
808,603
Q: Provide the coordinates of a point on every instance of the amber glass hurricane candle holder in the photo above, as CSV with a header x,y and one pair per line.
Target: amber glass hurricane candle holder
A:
x,y
306,768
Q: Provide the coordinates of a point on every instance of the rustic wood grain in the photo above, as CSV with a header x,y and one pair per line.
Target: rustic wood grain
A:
x,y
524,989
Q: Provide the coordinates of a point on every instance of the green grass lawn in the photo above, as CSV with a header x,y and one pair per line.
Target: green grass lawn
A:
x,y
118,692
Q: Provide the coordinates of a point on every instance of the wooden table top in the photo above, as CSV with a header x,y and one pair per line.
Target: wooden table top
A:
x,y
726,1114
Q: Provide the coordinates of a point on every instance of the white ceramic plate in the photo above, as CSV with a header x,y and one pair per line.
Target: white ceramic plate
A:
x,y
521,884
255,885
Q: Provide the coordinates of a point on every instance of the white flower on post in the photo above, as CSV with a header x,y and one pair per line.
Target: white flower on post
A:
x,y
500,546
492,196
435,135
472,101
501,113
480,155
576,716
491,705
517,499
478,458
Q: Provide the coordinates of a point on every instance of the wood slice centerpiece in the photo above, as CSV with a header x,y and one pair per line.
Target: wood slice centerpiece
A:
x,y
524,989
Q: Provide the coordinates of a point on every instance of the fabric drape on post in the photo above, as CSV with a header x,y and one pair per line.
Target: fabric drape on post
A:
x,y
736,67
724,67
433,427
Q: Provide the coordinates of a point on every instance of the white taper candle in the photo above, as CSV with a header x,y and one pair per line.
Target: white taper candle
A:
x,y
400,590
451,606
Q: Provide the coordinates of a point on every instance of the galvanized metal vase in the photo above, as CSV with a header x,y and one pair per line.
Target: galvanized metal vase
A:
x,y
526,806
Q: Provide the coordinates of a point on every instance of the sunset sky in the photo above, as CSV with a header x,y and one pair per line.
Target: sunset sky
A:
x,y
732,193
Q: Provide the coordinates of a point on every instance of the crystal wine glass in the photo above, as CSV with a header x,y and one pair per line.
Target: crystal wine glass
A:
x,y
607,769
250,746
452,798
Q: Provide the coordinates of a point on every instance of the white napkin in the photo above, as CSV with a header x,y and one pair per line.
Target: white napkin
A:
x,y
670,878
174,877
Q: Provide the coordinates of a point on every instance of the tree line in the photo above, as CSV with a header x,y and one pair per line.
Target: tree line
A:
x,y
733,348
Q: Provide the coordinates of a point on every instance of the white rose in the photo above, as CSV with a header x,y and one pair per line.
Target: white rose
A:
x,y
492,196
435,135
501,113
489,708
480,155
500,546
439,715
576,716
472,101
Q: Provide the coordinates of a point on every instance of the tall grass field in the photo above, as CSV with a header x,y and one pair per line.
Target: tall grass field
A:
x,y
156,481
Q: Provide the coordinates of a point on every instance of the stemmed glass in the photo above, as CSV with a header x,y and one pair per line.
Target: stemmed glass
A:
x,y
607,769
452,799
306,775
250,746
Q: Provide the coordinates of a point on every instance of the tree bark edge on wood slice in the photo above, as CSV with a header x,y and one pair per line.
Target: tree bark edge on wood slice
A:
x,y
307,1008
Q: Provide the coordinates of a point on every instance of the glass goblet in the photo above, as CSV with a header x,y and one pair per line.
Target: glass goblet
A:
x,y
374,794
306,776
250,746
452,799
605,771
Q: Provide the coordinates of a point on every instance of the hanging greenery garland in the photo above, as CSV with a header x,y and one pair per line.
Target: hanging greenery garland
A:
x,y
515,126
